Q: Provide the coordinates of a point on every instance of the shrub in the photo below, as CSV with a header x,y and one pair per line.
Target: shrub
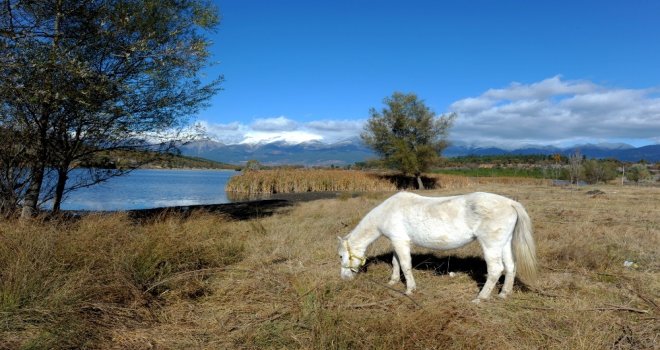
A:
x,y
638,172
596,171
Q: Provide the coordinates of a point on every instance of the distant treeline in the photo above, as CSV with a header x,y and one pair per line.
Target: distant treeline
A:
x,y
504,159
130,159
555,166
536,173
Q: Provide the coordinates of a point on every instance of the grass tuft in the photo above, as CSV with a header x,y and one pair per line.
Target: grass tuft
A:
x,y
64,277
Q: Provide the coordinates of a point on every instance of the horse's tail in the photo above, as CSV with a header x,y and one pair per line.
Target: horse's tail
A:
x,y
524,249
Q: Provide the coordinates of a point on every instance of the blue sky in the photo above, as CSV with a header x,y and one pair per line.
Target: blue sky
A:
x,y
516,72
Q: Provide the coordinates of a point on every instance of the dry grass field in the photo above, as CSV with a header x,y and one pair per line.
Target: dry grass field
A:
x,y
208,282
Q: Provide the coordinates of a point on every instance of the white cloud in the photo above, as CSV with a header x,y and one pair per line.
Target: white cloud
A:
x,y
274,124
335,125
228,133
283,129
542,90
558,112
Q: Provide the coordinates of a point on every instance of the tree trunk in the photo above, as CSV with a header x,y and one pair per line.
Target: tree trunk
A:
x,y
420,184
31,200
62,176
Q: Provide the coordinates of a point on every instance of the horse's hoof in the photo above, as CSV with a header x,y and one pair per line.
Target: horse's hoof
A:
x,y
392,282
502,296
478,300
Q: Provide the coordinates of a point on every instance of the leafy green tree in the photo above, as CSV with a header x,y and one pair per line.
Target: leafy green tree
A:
x,y
407,134
638,172
81,77
253,165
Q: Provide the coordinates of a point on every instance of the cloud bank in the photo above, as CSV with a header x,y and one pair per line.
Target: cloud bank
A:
x,y
558,112
550,112
283,129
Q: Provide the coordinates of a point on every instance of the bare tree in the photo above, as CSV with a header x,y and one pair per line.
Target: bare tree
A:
x,y
575,166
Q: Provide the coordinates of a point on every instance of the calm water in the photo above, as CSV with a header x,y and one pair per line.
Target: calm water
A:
x,y
143,189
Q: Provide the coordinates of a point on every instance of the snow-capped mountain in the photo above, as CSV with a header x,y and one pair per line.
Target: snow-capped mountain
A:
x,y
349,151
308,153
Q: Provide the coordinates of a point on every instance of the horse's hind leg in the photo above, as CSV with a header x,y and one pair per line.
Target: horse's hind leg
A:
x,y
509,271
396,270
495,266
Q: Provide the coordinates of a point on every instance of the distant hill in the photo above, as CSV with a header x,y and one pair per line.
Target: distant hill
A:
x,y
353,150
130,159
187,162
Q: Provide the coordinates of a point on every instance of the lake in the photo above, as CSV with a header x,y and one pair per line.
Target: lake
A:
x,y
147,188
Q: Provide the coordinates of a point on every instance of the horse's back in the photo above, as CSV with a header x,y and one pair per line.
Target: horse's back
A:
x,y
486,203
483,202
443,222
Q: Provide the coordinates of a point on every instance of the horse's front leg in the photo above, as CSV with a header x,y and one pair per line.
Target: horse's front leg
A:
x,y
396,270
402,249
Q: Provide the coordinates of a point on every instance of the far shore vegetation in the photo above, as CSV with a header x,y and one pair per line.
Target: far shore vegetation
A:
x,y
374,176
151,160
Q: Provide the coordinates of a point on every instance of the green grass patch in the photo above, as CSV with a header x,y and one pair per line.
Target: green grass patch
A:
x,y
494,172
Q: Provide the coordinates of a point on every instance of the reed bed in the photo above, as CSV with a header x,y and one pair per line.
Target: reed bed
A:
x,y
306,180
317,180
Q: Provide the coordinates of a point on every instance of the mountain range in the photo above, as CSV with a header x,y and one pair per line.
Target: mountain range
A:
x,y
349,151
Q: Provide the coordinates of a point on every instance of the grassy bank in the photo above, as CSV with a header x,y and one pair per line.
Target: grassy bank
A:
x,y
273,282
73,285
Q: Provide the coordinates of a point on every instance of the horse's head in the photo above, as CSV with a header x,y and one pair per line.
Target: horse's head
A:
x,y
350,263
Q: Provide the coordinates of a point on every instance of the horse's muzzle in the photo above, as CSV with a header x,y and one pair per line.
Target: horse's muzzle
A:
x,y
347,274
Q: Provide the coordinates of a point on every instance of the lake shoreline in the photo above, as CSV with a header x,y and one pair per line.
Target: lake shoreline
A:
x,y
152,188
237,210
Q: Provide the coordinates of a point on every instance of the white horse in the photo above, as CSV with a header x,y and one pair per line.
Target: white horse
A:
x,y
500,225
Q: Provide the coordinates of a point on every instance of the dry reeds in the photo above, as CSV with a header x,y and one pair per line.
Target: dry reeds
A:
x,y
443,181
78,280
306,180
